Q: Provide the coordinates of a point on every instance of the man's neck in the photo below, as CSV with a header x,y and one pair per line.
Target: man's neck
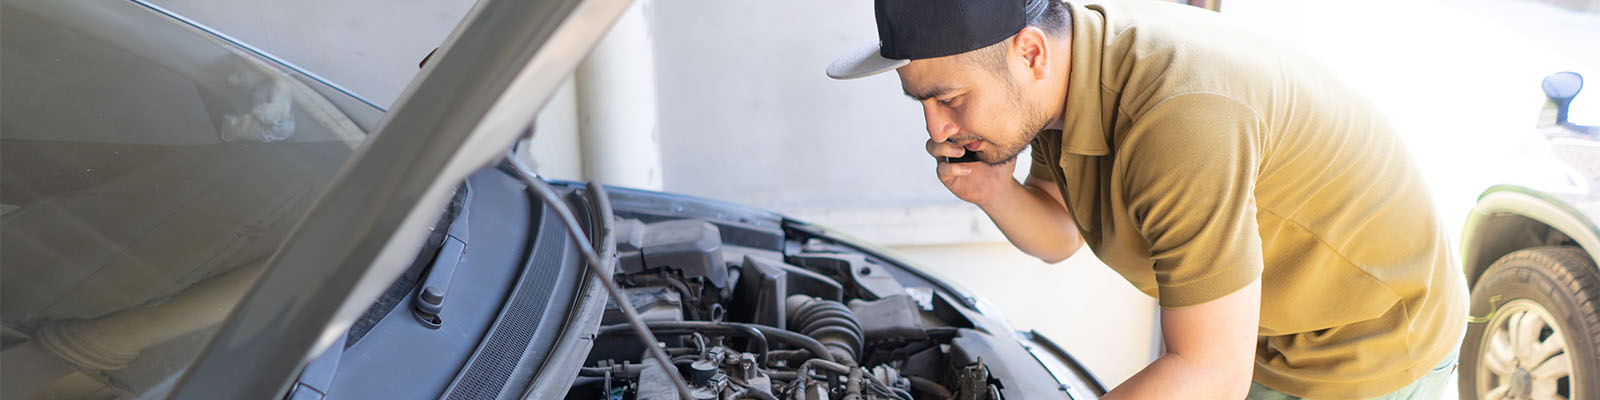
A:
x,y
1063,60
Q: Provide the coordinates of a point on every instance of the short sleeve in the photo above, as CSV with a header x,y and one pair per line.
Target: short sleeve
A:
x,y
1046,154
1189,185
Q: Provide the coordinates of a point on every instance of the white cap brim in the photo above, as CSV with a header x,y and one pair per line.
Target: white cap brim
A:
x,y
862,62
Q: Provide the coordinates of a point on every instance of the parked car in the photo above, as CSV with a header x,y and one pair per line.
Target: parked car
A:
x,y
1529,253
183,216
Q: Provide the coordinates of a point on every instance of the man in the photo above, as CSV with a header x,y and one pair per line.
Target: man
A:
x,y
1288,236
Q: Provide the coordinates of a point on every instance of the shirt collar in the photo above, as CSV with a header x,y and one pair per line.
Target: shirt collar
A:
x,y
1083,126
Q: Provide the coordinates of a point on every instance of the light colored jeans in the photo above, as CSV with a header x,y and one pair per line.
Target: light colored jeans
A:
x,y
1428,387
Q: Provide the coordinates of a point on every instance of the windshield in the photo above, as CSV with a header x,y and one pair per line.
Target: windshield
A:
x,y
148,170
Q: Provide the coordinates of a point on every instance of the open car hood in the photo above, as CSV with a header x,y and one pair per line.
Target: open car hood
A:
x,y
469,104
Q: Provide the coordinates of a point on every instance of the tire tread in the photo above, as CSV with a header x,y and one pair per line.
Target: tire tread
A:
x,y
1573,269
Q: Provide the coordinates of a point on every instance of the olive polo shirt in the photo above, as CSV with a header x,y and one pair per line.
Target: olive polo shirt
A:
x,y
1196,157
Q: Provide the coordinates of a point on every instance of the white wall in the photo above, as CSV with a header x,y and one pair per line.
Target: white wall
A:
x,y
742,78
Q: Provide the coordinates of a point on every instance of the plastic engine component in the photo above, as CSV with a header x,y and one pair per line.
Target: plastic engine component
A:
x,y
763,289
890,319
654,303
871,280
690,246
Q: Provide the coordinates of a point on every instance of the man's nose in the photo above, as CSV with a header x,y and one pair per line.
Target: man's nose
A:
x,y
940,126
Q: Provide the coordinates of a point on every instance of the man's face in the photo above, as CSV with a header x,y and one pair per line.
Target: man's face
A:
x,y
974,106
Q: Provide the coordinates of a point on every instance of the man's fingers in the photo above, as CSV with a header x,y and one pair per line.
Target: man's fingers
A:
x,y
947,170
945,149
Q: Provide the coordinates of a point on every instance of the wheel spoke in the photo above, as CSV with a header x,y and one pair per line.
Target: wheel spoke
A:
x,y
1498,358
1555,344
1548,396
1544,389
1552,369
1512,332
1526,337
1498,393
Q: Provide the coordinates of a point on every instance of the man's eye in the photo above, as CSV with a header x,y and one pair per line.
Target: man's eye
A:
x,y
948,101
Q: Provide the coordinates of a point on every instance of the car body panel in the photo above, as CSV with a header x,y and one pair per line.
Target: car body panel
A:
x,y
1562,194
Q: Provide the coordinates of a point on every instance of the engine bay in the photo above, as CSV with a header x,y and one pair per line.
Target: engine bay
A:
x,y
825,321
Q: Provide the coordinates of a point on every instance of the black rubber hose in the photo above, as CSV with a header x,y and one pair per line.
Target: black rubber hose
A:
x,y
674,327
793,357
827,365
681,351
757,340
830,322
786,376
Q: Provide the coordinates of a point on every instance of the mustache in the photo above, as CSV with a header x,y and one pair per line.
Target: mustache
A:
x,y
966,137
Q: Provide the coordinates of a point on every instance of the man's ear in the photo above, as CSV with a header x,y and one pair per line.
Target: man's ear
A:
x,y
1031,44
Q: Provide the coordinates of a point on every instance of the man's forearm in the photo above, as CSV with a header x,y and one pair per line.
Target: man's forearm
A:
x,y
1174,377
1035,222
1210,351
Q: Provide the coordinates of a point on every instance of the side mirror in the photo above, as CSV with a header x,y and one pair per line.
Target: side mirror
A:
x,y
1561,87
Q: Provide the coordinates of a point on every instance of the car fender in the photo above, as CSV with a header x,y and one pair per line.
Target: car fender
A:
x,y
1508,218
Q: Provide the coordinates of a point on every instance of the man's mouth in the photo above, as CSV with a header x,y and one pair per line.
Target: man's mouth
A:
x,y
973,145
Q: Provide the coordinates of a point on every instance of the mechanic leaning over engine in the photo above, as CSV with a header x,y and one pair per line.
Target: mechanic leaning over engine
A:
x,y
1277,217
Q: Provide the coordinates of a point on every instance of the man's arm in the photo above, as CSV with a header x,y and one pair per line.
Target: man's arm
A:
x,y
1031,215
1033,218
1210,351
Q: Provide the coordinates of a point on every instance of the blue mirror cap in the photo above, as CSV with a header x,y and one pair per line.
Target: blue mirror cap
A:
x,y
1562,85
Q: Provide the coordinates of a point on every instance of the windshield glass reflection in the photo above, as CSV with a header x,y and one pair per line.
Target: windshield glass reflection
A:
x,y
148,170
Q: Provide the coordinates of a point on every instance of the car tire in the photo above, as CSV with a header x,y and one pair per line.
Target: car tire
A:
x,y
1554,290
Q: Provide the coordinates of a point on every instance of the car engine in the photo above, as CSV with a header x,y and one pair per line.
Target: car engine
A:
x,y
822,322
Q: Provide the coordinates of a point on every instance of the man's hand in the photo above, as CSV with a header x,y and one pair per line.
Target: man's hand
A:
x,y
1032,215
975,182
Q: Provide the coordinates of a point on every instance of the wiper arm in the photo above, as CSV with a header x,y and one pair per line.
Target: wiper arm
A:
x,y
430,296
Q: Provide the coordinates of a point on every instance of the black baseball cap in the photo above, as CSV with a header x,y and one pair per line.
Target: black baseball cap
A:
x,y
917,29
